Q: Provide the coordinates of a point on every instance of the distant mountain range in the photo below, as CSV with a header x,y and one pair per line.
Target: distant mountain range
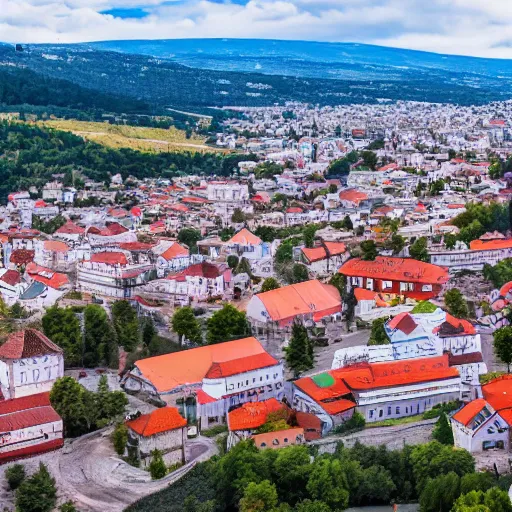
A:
x,y
199,73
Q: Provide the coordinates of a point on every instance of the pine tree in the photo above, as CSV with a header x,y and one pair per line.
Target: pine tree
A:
x,y
37,493
157,466
443,431
299,353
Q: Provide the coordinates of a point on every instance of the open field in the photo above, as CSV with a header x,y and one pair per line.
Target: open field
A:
x,y
133,137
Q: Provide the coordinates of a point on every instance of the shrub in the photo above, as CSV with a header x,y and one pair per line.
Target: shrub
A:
x,y
120,438
157,466
214,431
15,475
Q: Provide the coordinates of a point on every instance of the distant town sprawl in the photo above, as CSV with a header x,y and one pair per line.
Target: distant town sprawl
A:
x,y
332,273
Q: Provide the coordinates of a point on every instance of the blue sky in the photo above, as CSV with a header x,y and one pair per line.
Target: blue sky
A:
x,y
466,27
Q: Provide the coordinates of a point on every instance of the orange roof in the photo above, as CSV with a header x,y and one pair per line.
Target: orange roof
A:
x,y
156,422
245,237
283,438
233,367
400,373
505,289
175,251
498,392
395,269
70,228
469,411
468,327
253,414
170,371
55,246
488,245
320,253
403,322
364,294
46,276
352,195
299,299
109,258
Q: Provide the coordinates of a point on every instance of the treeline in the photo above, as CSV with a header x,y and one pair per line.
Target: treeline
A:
x,y
31,154
23,86
288,480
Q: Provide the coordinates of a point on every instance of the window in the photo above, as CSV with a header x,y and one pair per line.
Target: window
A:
x,y
397,410
285,439
246,382
381,413
267,377
369,284
426,288
389,411
371,413
263,445
387,285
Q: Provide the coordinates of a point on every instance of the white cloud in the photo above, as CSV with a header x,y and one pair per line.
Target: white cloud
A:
x,y
468,27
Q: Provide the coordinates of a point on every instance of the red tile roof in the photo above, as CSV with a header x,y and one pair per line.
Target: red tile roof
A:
x,y
156,422
204,269
135,246
23,403
395,269
241,365
11,277
70,228
109,258
469,411
252,415
498,392
55,246
28,418
27,343
403,322
47,276
321,252
352,195
30,451
299,299
489,245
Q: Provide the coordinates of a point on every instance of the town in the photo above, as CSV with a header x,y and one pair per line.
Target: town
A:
x,y
346,277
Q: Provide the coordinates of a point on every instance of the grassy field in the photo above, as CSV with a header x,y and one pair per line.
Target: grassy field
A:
x,y
134,137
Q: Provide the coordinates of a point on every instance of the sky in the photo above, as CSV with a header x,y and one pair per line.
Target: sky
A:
x,y
465,27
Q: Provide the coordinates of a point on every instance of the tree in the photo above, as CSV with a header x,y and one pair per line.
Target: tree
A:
x,y
157,466
68,506
238,216
62,326
37,493
347,223
433,459
186,325
397,243
376,486
15,476
126,324
232,261
148,331
327,483
189,237
449,240
440,493
100,343
312,506
339,282
418,250
270,283
259,497
227,324
243,267
503,345
66,398
369,159
299,353
299,273
284,252
476,482
120,438
309,235
500,274
493,500
443,431
109,404
378,334
292,468
369,249
456,303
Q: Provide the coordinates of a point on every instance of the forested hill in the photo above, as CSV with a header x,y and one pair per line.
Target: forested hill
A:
x,y
23,86
29,155
162,82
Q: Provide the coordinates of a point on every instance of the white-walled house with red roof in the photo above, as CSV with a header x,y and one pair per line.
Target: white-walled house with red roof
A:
x,y
211,378
422,335
113,274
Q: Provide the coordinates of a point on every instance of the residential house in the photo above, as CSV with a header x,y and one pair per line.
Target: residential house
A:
x,y
163,429
326,258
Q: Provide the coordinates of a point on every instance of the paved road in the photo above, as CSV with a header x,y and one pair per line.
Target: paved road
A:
x,y
493,365
325,355
88,472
